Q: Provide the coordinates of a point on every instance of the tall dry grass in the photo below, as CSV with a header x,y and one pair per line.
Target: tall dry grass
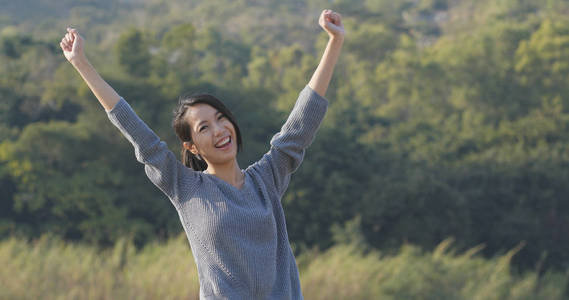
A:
x,y
51,269
344,272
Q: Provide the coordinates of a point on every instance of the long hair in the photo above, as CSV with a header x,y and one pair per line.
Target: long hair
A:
x,y
184,132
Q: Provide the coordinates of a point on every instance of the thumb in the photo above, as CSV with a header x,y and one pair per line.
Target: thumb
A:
x,y
329,25
76,39
72,30
74,33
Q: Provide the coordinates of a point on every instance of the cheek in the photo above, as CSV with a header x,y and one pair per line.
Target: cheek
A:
x,y
199,140
230,127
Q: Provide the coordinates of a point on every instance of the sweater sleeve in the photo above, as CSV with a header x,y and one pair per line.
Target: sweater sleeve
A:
x,y
160,164
288,145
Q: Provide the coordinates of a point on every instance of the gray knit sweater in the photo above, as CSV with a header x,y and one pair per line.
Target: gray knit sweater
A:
x,y
238,237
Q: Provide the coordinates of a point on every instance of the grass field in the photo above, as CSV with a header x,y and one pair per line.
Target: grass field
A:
x,y
49,268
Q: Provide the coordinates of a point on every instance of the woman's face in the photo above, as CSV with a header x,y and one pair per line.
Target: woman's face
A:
x,y
213,135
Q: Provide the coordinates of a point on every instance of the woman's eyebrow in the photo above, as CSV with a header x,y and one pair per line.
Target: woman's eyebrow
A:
x,y
205,121
200,123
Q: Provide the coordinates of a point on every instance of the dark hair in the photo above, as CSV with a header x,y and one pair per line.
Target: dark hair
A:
x,y
183,129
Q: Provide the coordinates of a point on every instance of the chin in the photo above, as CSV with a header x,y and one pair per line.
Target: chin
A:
x,y
225,159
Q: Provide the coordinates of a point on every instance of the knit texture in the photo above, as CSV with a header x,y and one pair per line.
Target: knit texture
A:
x,y
238,237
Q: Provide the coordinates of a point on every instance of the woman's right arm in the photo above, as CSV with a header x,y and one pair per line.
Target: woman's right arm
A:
x,y
72,45
161,165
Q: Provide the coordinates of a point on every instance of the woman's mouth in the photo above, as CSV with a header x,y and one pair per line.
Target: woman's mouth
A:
x,y
223,143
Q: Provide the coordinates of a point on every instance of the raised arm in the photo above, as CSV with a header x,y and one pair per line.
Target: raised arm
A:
x,y
160,164
331,22
72,45
298,132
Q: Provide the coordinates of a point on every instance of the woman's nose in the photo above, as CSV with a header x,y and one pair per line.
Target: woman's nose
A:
x,y
218,130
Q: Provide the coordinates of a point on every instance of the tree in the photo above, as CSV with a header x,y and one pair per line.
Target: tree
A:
x,y
543,62
133,53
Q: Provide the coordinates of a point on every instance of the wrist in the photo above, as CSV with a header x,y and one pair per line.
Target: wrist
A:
x,y
79,62
337,39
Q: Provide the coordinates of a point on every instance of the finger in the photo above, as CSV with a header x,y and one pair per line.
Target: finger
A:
x,y
330,19
67,43
334,17
64,47
74,45
73,32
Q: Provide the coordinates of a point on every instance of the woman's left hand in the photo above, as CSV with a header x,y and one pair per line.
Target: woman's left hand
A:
x,y
331,22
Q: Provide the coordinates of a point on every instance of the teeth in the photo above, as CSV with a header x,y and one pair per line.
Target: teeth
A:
x,y
223,142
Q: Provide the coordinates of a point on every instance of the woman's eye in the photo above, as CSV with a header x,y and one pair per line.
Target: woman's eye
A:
x,y
202,128
221,117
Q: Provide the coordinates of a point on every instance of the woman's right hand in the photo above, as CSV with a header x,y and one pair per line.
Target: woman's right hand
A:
x,y
72,46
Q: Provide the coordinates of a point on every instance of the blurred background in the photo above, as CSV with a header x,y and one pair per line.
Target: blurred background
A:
x,y
441,170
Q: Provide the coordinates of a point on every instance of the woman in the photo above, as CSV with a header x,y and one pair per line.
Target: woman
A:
x,y
233,218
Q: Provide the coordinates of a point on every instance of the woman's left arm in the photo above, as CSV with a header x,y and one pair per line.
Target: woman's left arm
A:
x,y
289,144
331,22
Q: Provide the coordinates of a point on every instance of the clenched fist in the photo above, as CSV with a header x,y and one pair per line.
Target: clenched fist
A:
x,y
331,22
72,46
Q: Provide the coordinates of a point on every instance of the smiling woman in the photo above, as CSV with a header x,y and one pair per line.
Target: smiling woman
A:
x,y
233,218
191,108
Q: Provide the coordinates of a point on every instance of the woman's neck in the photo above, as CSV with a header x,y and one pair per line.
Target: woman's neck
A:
x,y
230,173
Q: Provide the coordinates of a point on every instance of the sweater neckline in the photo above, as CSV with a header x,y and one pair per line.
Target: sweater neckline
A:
x,y
227,183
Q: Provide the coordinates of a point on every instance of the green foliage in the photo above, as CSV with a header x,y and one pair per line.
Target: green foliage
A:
x,y
543,61
446,118
177,45
133,53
